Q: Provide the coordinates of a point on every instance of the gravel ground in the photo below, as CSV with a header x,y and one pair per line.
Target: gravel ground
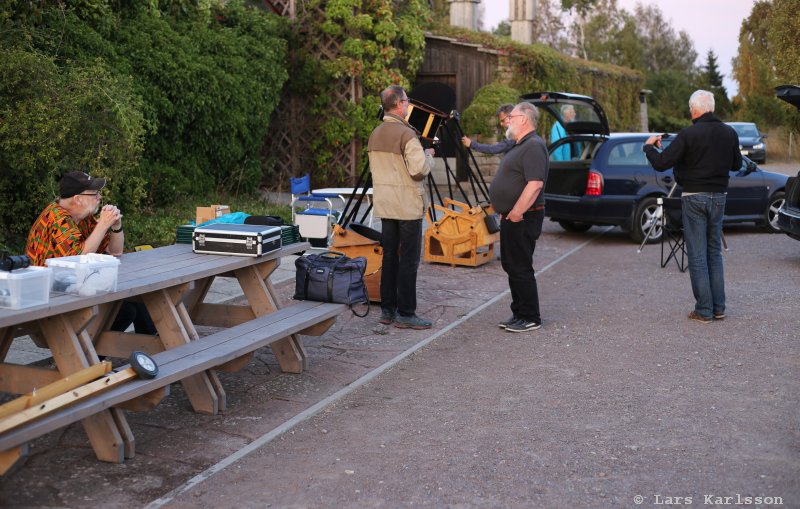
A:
x,y
617,396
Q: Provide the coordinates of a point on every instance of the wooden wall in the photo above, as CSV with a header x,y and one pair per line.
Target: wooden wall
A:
x,y
464,67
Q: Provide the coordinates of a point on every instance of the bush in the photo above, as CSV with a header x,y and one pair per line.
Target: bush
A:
x,y
63,119
163,104
480,117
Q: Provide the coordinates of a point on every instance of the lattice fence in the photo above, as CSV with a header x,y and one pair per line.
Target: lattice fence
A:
x,y
293,127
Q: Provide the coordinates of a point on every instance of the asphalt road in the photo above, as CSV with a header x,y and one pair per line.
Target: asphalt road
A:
x,y
617,397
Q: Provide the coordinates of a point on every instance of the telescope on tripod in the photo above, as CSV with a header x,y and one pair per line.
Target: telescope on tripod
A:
x,y
460,231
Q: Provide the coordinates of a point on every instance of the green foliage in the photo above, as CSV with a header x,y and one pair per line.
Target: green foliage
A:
x,y
383,44
480,117
58,120
158,227
712,81
164,98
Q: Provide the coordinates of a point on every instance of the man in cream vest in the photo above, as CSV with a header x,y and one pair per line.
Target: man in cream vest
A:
x,y
399,166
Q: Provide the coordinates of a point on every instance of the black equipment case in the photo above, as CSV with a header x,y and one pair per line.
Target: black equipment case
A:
x,y
236,239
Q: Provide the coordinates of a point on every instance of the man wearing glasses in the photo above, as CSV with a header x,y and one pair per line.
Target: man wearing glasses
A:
x,y
67,226
516,193
399,165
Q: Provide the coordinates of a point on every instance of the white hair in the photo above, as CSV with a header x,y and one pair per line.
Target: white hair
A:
x,y
530,111
702,101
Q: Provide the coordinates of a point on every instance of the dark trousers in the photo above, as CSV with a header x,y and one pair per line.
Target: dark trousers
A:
x,y
134,313
517,244
401,241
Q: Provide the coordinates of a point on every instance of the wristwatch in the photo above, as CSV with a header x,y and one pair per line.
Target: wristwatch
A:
x,y
116,231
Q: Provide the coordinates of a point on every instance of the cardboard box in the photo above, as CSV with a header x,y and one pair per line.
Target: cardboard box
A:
x,y
211,212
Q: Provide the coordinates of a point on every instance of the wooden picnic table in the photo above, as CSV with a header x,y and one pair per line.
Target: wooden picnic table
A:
x,y
172,282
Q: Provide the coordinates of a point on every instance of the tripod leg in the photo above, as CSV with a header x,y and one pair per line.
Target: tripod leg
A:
x,y
724,242
657,217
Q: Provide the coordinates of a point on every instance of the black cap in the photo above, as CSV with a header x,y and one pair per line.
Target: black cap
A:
x,y
76,182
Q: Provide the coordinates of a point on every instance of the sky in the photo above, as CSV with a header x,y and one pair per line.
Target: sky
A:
x,y
711,24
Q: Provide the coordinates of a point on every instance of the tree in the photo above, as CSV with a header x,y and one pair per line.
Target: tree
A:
x,y
713,79
548,25
752,67
503,29
582,9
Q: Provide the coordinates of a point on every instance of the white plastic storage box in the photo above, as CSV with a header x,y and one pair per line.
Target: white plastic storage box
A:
x,y
24,288
84,275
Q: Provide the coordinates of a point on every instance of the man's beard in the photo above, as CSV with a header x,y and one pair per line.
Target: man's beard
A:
x,y
510,133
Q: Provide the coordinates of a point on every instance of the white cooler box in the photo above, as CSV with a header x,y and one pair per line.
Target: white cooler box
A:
x,y
24,288
236,239
84,275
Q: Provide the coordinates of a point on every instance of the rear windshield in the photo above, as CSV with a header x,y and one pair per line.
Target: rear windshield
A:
x,y
746,131
630,153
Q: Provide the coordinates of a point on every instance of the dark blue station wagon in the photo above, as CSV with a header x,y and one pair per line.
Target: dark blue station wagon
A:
x,y
608,181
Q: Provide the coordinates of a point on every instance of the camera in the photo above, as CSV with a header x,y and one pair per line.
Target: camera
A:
x,y
9,262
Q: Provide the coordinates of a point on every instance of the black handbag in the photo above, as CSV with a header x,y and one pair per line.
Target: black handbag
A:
x,y
331,277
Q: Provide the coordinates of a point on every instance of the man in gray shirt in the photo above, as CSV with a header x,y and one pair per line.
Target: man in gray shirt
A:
x,y
516,193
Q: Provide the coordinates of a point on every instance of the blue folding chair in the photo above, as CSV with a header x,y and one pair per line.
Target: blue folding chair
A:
x,y
309,213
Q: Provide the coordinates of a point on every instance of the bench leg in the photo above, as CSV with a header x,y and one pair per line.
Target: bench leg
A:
x,y
12,457
67,345
263,300
173,333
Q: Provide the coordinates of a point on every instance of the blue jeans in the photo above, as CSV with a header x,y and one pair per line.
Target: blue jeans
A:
x,y
702,230
402,242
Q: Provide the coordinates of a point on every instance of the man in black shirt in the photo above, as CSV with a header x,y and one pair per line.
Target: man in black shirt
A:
x,y
702,156
517,194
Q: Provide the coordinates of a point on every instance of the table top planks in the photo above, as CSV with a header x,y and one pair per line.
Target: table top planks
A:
x,y
146,271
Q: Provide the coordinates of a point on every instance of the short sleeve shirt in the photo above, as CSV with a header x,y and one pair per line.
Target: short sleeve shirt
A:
x,y
55,233
526,161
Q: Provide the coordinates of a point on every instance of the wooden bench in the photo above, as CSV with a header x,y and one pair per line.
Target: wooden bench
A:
x,y
220,350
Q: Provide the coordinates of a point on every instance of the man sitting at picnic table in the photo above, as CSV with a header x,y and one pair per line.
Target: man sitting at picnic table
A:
x,y
67,227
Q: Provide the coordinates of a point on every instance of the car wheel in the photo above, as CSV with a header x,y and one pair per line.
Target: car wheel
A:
x,y
646,217
572,226
771,215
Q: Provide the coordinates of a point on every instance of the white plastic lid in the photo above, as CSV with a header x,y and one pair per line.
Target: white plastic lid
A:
x,y
72,261
23,273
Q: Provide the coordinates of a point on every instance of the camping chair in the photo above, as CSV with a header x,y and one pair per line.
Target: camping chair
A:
x,y
313,220
673,244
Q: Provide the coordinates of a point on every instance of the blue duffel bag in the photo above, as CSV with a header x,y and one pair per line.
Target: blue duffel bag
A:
x,y
331,277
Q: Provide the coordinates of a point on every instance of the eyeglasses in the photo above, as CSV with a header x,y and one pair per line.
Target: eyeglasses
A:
x,y
517,115
404,100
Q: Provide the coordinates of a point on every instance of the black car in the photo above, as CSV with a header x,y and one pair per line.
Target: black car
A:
x,y
751,141
789,214
608,181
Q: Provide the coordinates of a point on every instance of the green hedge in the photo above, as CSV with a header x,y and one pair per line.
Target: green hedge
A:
x,y
166,99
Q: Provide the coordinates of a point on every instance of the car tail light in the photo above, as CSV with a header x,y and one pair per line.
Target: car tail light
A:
x,y
594,184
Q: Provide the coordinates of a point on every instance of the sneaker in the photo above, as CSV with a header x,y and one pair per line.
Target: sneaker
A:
x,y
697,317
508,322
387,317
411,322
523,325
719,315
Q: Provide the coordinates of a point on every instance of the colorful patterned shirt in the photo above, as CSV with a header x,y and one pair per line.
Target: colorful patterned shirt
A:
x,y
55,233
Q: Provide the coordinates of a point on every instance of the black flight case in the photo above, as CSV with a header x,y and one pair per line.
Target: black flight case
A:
x,y
236,239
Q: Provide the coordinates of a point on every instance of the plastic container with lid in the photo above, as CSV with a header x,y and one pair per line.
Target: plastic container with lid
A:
x,y
24,288
84,275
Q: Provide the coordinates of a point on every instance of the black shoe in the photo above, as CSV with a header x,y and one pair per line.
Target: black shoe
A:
x,y
523,325
387,317
508,322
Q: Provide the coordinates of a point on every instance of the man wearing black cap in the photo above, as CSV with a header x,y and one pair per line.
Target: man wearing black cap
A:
x,y
68,227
